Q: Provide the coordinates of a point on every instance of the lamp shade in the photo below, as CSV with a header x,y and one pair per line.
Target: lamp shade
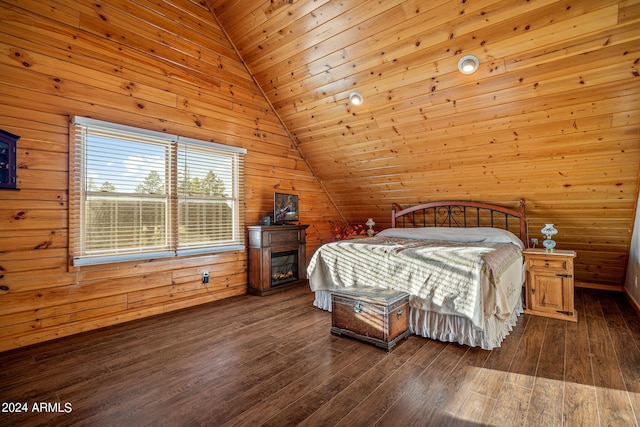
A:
x,y
549,230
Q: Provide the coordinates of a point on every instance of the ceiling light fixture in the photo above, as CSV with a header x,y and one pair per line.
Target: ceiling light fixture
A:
x,y
356,98
468,64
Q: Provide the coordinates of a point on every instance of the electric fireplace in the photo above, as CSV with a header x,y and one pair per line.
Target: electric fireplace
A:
x,y
277,257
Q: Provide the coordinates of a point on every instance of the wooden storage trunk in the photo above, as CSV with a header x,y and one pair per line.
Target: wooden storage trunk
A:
x,y
377,316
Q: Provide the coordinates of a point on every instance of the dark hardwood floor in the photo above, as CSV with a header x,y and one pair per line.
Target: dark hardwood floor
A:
x,y
271,361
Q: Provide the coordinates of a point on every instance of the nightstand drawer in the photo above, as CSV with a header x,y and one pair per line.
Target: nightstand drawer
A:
x,y
549,264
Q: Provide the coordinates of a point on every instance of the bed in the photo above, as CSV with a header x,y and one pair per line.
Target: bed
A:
x,y
461,263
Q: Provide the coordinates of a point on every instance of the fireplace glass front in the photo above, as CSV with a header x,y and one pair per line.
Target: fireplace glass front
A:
x,y
284,267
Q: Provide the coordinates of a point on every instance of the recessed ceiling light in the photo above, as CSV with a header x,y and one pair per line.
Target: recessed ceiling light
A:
x,y
356,98
468,64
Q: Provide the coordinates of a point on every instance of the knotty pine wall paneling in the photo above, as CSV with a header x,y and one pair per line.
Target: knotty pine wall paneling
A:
x,y
552,114
159,65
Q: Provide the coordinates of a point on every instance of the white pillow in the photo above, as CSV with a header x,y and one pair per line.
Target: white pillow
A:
x,y
472,234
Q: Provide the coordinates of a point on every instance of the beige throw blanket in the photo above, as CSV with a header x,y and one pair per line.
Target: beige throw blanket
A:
x,y
448,277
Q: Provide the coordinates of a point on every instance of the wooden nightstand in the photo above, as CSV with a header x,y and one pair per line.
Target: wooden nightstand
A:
x,y
550,283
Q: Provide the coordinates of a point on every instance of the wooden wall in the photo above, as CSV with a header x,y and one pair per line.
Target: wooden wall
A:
x,y
160,65
552,115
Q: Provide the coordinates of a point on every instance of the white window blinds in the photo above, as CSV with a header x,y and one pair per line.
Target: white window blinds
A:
x,y
208,187
138,194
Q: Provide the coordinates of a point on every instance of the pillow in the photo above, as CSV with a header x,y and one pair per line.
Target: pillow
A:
x,y
472,234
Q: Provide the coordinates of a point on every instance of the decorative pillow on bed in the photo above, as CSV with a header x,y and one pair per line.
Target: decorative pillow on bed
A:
x,y
472,234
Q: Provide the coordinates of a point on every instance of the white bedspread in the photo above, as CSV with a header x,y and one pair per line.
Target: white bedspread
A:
x,y
447,277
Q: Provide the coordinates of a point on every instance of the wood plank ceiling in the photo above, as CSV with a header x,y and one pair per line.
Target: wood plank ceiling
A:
x,y
552,114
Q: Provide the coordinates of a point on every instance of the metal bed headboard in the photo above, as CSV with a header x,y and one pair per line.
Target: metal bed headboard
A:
x,y
461,214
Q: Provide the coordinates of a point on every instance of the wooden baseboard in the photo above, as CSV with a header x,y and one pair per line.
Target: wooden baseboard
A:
x,y
632,301
600,286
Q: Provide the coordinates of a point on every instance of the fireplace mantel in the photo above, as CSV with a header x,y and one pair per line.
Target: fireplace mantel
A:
x,y
267,242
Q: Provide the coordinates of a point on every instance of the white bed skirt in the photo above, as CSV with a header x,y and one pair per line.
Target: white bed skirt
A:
x,y
449,328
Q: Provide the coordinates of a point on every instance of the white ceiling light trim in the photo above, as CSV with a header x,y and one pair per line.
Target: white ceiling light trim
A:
x,y
468,64
356,98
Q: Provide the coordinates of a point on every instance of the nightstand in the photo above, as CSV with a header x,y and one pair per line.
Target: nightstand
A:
x,y
550,283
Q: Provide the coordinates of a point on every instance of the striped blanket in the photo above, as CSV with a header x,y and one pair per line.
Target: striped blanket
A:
x,y
444,276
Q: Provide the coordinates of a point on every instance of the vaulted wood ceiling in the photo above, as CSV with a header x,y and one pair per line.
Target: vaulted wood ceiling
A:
x,y
551,115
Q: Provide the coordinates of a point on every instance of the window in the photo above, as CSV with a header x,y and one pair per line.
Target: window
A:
x,y
137,194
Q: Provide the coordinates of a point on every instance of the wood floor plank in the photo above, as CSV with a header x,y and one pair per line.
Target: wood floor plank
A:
x,y
422,397
629,314
272,361
344,362
547,398
511,406
523,369
428,353
614,407
476,408
494,372
578,367
459,383
387,391
625,351
580,404
546,405
342,403
383,405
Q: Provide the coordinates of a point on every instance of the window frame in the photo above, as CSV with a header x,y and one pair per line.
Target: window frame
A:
x,y
79,194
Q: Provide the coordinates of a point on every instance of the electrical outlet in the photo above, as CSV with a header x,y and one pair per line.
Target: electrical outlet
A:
x,y
205,277
534,241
